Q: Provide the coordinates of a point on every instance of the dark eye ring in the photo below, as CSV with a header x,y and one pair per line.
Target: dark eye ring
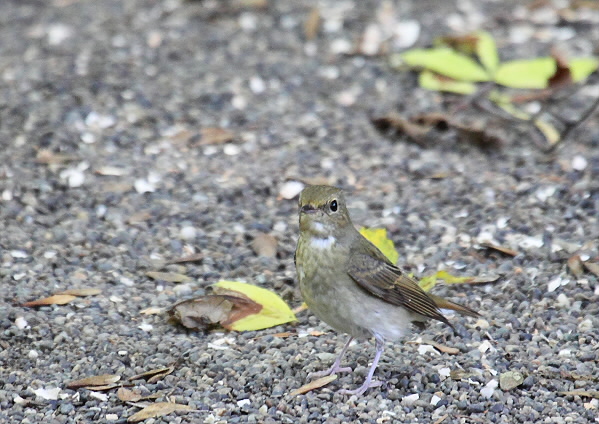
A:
x,y
334,206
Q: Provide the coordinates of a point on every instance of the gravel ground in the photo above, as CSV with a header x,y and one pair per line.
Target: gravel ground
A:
x,y
105,171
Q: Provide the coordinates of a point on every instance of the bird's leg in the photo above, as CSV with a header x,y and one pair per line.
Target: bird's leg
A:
x,y
368,383
335,368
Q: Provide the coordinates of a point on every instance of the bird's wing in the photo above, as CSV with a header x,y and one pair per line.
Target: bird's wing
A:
x,y
384,280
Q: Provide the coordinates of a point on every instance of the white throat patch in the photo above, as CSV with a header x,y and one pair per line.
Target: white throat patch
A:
x,y
322,243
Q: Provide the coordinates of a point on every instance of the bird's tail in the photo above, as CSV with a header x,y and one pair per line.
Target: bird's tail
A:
x,y
448,304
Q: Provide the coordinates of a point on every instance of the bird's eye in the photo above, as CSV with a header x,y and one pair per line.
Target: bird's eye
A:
x,y
333,206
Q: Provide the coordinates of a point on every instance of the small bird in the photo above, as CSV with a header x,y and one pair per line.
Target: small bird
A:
x,y
351,285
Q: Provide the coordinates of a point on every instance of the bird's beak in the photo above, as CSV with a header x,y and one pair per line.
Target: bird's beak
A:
x,y
309,209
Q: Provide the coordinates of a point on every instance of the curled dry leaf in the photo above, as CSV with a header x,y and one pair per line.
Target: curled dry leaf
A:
x,y
153,375
315,384
209,311
214,135
502,249
170,277
265,245
158,409
57,299
191,258
575,265
442,348
81,292
97,380
127,395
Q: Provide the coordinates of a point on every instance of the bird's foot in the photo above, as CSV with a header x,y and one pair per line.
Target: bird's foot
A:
x,y
360,390
335,369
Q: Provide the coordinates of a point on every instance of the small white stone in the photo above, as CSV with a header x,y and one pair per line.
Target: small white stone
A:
x,y
127,281
47,394
102,397
21,323
99,121
444,372
340,46
88,138
257,85
7,195
18,254
280,226
435,400
290,189
33,354
424,349
111,417
406,33
485,346
144,326
585,325
410,399
579,163
248,21
545,193
564,352
243,402
57,33
231,149
489,389
563,301
142,185
239,102
122,353
19,276
188,232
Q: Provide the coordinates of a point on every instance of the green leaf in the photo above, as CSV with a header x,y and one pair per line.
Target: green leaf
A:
x,y
549,131
530,73
431,81
378,237
274,310
427,283
486,50
581,68
446,62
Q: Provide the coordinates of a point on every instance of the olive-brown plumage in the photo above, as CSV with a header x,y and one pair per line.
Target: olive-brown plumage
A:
x,y
350,284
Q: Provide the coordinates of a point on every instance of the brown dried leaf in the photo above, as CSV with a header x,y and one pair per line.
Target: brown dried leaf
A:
x,y
582,393
127,395
562,75
192,258
80,292
101,388
442,348
57,299
477,133
397,124
504,250
575,265
158,409
97,380
592,267
315,384
206,312
138,217
152,374
301,308
48,157
152,311
265,245
170,277
214,135
312,24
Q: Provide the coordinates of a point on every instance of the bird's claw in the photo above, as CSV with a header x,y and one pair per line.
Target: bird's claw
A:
x,y
360,390
330,371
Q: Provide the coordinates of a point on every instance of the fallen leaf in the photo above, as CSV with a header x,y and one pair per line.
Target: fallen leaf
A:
x,y
301,308
399,125
58,299
138,217
148,375
80,292
97,380
265,245
158,409
170,277
435,82
446,61
526,73
378,237
312,24
127,395
101,388
504,250
315,384
442,348
213,135
478,133
209,311
592,267
111,171
274,310
152,311
582,393
575,265
191,258
48,157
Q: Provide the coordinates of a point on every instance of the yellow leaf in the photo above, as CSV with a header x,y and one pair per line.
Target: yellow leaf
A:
x,y
446,62
427,283
274,310
378,237
431,81
583,67
451,279
486,50
527,73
